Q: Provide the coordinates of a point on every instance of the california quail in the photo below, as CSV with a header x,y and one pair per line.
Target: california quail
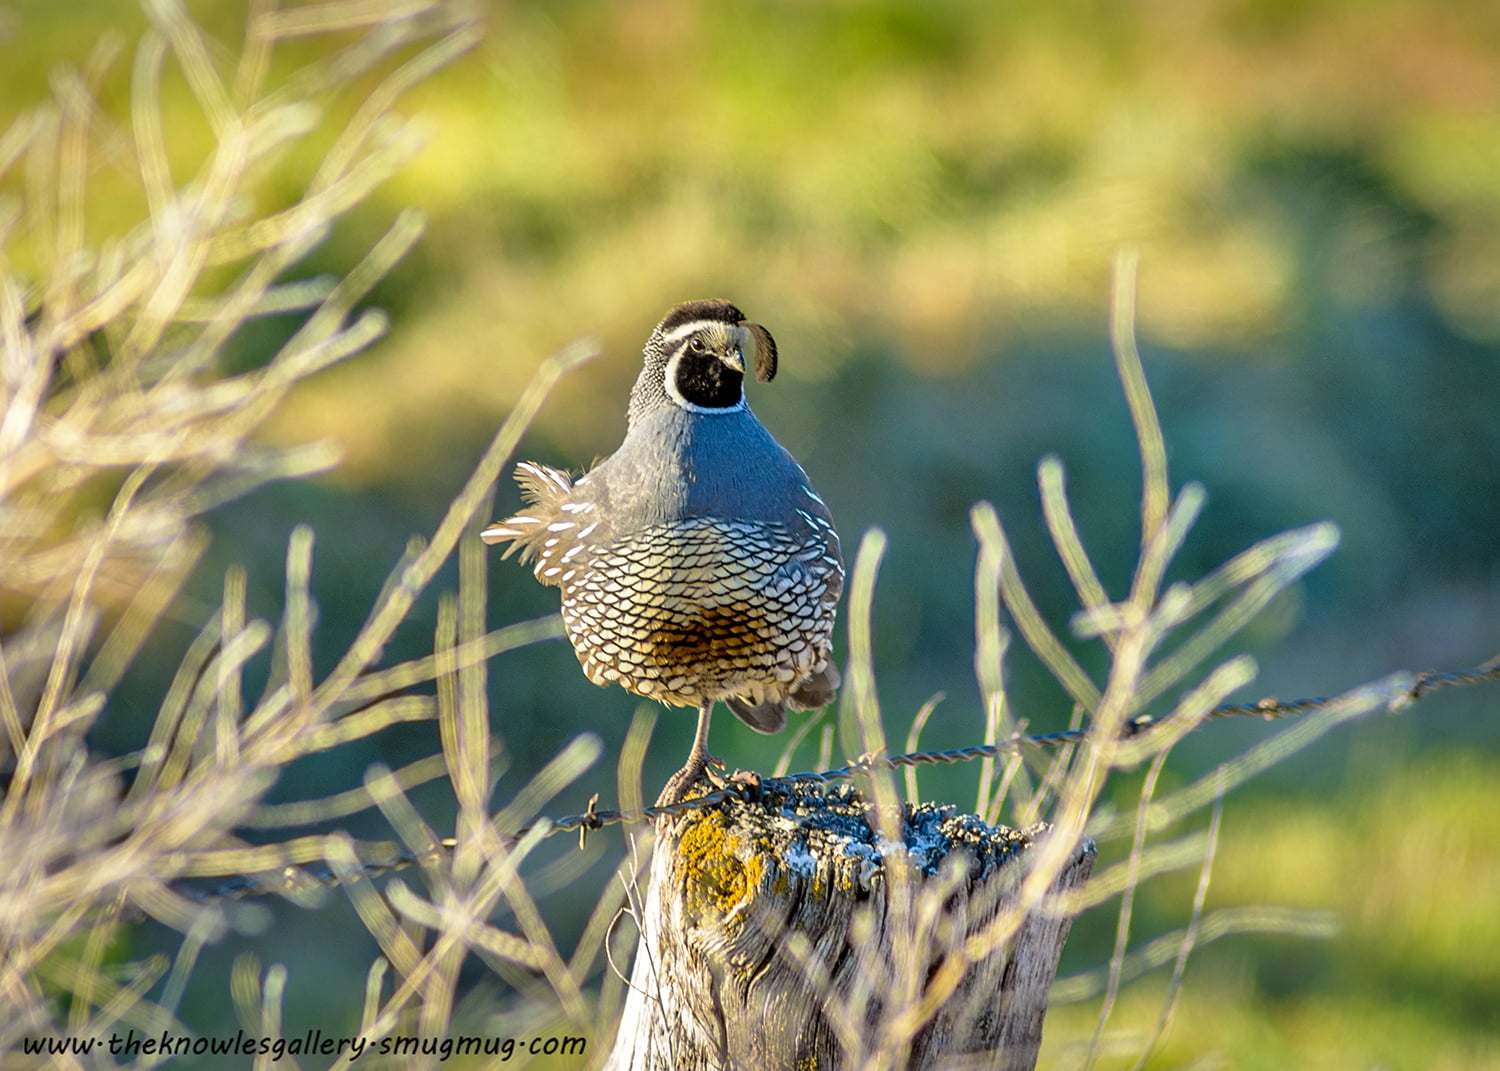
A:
x,y
696,563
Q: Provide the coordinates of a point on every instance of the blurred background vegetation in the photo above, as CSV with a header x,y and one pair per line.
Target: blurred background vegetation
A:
x,y
922,201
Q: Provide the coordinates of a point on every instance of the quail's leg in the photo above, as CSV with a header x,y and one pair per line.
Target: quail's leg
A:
x,y
697,762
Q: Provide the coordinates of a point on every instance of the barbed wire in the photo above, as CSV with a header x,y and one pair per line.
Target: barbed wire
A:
x,y
380,858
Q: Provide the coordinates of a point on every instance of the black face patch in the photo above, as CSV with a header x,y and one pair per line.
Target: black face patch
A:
x,y
704,380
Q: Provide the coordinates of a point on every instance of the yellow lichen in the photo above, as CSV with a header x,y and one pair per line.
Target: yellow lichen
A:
x,y
716,879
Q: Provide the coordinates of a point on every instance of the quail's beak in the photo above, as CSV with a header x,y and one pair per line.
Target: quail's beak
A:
x,y
735,359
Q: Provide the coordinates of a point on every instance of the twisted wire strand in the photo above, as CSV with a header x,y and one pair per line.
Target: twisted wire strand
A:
x,y
383,858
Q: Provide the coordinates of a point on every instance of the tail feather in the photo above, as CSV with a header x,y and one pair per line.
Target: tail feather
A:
x,y
542,485
770,716
544,490
767,717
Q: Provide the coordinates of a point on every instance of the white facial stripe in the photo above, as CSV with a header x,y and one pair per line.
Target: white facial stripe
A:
x,y
732,333
676,395
677,334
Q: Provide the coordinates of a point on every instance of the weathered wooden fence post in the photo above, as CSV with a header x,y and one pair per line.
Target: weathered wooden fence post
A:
x,y
795,931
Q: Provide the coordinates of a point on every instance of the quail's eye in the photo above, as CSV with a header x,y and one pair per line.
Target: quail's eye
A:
x,y
697,345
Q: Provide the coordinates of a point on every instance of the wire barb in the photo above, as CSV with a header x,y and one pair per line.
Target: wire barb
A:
x,y
384,858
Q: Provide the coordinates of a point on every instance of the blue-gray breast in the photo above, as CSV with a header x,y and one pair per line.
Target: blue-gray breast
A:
x,y
696,563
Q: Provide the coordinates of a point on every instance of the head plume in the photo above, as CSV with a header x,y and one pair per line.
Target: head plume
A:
x,y
725,312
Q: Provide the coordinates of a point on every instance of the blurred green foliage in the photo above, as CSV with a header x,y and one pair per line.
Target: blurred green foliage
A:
x,y
922,202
